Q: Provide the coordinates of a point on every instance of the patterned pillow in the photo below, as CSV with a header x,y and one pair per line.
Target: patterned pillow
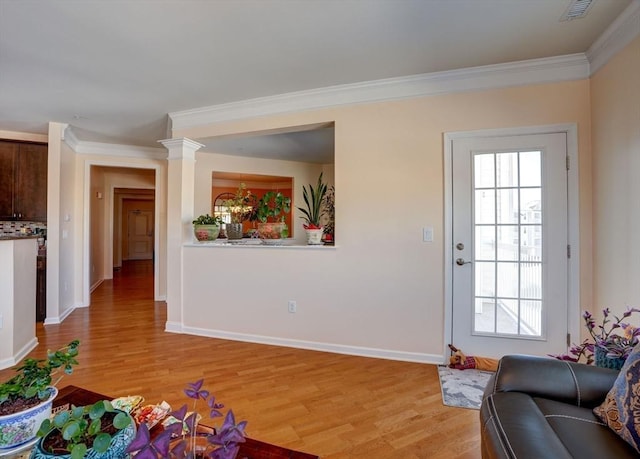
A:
x,y
621,408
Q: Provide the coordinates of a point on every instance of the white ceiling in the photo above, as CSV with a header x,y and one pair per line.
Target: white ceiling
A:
x,y
114,69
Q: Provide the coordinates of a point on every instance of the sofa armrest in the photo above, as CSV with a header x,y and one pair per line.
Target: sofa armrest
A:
x,y
568,382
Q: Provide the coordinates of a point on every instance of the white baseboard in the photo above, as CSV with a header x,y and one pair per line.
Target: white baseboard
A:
x,y
21,354
96,285
58,319
416,357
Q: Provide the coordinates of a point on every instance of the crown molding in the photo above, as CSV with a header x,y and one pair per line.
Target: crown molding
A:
x,y
84,147
535,71
619,34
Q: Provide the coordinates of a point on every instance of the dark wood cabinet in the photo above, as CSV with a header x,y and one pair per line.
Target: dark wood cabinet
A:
x,y
23,181
41,289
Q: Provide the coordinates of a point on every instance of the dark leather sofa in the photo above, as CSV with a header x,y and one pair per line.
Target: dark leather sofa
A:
x,y
539,408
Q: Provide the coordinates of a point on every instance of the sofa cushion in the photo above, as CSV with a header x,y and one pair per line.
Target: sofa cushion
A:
x,y
621,408
581,432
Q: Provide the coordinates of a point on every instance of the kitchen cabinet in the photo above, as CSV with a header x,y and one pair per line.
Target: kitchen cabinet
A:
x,y
23,181
41,288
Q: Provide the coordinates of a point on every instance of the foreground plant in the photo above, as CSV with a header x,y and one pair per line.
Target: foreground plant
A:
x,y
76,430
178,440
603,336
30,386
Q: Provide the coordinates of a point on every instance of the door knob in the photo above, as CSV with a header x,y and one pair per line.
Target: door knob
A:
x,y
461,262
460,246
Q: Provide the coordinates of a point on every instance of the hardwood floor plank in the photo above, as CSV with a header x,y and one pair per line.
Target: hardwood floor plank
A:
x,y
336,406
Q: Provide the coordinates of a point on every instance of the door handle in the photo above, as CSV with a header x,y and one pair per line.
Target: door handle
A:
x,y
460,262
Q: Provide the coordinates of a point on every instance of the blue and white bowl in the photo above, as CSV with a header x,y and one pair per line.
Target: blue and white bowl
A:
x,y
19,428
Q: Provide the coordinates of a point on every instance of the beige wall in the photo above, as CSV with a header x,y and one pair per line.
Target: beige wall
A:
x,y
382,287
615,96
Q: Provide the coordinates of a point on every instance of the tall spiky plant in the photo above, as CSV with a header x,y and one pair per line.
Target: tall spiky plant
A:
x,y
313,199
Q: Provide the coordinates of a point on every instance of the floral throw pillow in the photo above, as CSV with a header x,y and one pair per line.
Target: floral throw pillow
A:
x,y
621,408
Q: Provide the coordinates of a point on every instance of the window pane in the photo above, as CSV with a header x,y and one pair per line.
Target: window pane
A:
x,y
531,205
483,170
531,318
485,243
531,281
506,170
485,206
508,280
507,211
530,170
484,317
507,316
531,242
485,278
508,243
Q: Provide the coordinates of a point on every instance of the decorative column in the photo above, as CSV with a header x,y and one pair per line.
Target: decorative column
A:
x,y
180,198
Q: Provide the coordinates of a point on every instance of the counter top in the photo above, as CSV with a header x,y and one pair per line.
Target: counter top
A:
x,y
12,237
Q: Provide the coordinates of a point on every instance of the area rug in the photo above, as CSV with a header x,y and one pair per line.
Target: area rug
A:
x,y
462,388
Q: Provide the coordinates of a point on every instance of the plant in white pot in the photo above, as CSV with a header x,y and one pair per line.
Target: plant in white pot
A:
x,y
314,210
26,399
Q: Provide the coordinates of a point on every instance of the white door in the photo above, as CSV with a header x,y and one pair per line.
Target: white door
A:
x,y
140,235
510,244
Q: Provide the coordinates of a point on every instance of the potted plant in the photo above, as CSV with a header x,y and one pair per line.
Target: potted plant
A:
x,y
606,348
239,209
313,212
206,227
184,438
270,212
98,431
26,398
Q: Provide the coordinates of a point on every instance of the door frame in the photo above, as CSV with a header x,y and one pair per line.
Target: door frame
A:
x,y
573,230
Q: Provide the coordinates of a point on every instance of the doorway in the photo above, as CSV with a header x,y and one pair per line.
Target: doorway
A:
x,y
508,259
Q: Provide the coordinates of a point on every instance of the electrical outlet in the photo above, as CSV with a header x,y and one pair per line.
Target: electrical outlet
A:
x,y
292,306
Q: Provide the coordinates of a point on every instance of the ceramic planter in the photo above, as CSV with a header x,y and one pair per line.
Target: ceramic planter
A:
x,y
19,428
205,233
234,231
314,236
117,449
273,233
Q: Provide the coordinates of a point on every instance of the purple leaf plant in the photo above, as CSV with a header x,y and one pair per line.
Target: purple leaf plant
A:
x,y
177,440
615,344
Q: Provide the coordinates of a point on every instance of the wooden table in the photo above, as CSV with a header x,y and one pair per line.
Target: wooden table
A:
x,y
251,449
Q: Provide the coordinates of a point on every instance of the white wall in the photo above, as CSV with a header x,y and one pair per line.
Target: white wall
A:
x,y
615,95
381,290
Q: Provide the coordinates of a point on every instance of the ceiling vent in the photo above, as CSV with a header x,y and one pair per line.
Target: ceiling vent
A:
x,y
577,9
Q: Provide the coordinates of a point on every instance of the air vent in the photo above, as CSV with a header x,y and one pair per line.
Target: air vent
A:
x,y
577,9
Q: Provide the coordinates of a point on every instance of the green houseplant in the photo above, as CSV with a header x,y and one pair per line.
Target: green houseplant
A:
x,y
26,398
239,209
96,431
270,213
206,227
313,211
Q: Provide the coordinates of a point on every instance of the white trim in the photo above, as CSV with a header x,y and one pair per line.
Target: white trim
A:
x,y
619,34
176,327
57,320
87,215
573,300
21,354
111,149
96,285
534,71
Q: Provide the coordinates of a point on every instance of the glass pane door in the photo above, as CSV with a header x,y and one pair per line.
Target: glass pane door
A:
x,y
507,237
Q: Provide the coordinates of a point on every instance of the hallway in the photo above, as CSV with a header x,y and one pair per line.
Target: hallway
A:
x,y
336,406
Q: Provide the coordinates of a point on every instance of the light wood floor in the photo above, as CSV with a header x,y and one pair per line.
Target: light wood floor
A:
x,y
332,405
